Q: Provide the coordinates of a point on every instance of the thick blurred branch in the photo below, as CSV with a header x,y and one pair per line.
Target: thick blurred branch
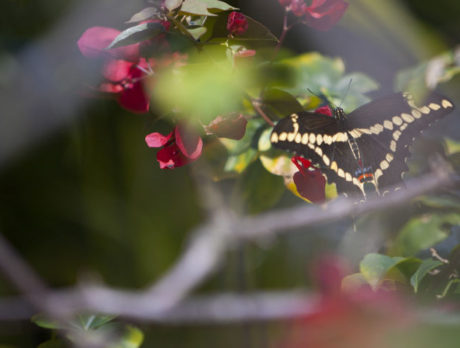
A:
x,y
163,301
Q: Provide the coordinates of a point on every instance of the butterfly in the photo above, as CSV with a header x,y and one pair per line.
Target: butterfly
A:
x,y
366,150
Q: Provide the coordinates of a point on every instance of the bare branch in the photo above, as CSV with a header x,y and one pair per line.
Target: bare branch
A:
x,y
220,308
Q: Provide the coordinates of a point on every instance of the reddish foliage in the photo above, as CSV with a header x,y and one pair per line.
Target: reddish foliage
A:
x,y
309,181
123,67
232,126
237,23
178,148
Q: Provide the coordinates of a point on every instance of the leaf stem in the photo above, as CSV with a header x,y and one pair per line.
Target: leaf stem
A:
x,y
256,106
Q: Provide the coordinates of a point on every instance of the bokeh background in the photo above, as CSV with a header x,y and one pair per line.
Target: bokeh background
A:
x,y
81,195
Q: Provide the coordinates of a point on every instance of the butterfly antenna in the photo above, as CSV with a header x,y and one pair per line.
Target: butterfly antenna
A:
x,y
346,92
323,98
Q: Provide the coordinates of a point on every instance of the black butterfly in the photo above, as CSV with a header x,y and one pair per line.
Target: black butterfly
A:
x,y
366,150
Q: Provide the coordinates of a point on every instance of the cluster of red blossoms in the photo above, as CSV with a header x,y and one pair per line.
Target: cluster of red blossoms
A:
x,y
320,15
124,72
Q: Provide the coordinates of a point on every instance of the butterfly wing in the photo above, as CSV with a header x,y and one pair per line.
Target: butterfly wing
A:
x,y
321,139
379,132
385,128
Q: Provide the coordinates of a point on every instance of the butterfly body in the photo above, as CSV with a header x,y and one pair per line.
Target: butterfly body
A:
x,y
365,150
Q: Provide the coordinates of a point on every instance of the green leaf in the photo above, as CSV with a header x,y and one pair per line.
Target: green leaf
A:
x,y
195,7
136,34
324,75
197,32
256,35
425,267
54,343
280,102
239,163
44,322
452,146
172,4
203,89
132,338
421,233
257,189
144,14
440,202
218,5
91,321
374,267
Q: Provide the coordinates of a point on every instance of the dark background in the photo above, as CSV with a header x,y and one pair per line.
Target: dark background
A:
x,y
81,195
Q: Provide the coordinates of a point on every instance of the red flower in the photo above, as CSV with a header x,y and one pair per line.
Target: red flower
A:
x,y
357,317
325,110
237,23
298,7
123,67
178,148
324,14
232,126
285,3
309,181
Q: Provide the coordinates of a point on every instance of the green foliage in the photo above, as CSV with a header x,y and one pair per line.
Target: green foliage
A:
x,y
425,267
257,189
92,327
423,232
136,34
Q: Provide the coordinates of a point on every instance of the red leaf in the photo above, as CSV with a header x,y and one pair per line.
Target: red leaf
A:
x,y
311,185
188,141
228,126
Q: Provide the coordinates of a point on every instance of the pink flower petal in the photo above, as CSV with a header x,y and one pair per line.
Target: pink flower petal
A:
x,y
188,141
237,23
157,139
95,40
170,157
134,98
110,87
116,70
324,14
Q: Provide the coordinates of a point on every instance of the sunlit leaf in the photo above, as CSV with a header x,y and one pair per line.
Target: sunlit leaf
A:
x,y
195,7
218,5
143,15
197,32
425,267
374,267
206,87
136,34
44,322
238,163
172,4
